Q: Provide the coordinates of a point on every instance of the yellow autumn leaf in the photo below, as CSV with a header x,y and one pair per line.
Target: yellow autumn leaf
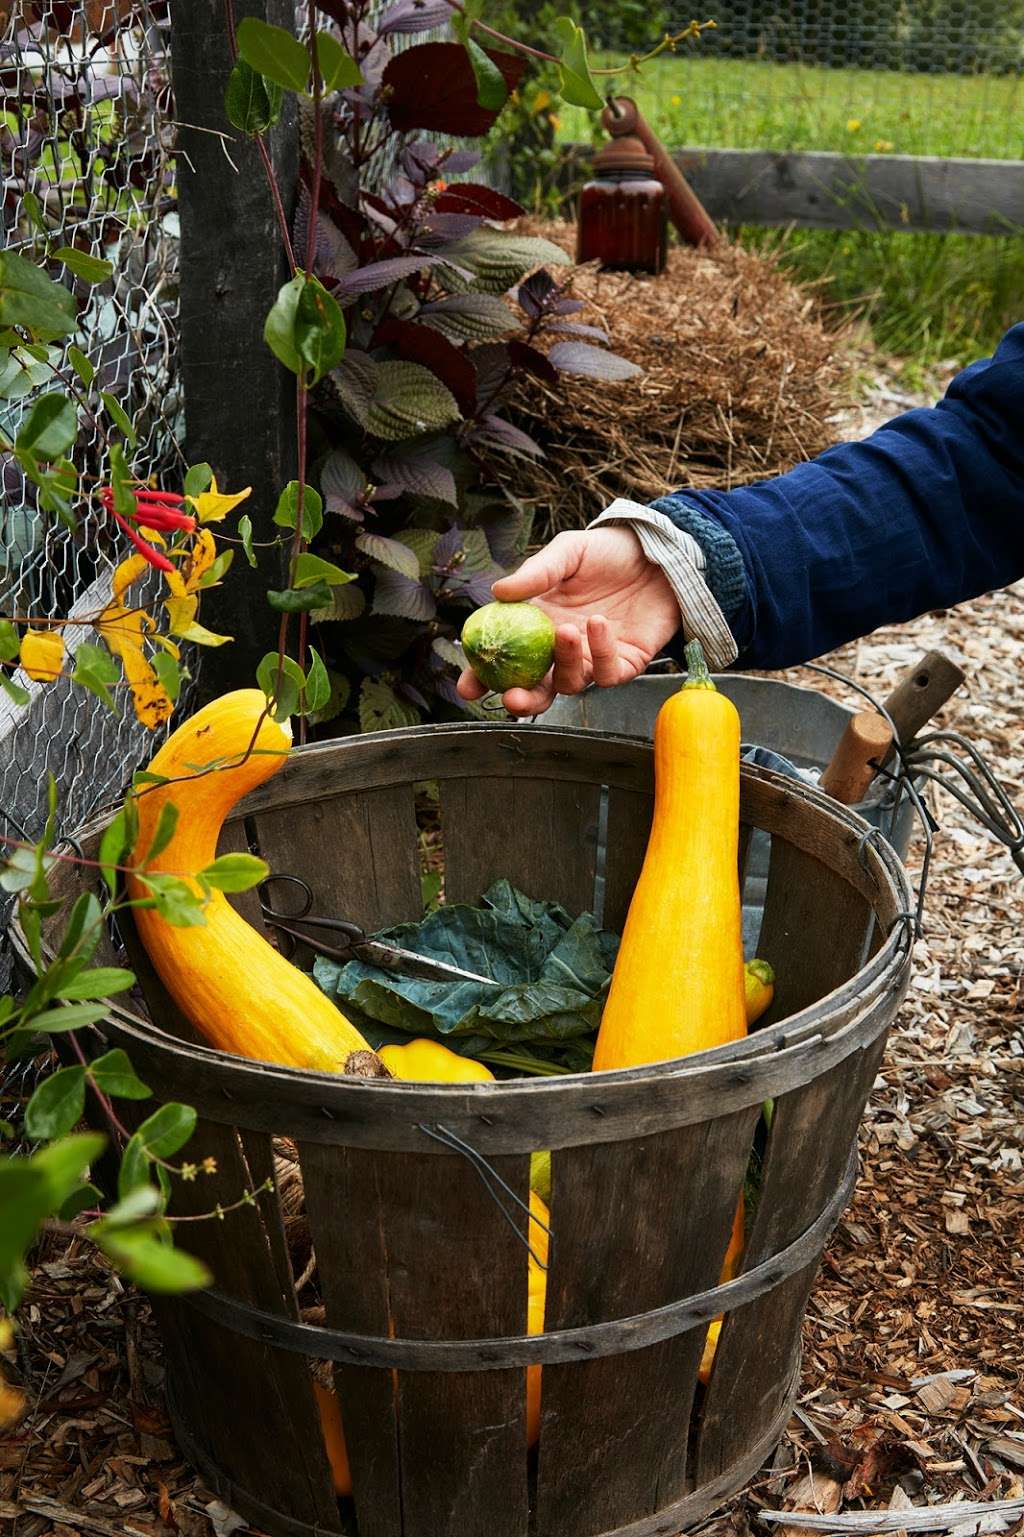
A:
x,y
12,1402
42,655
125,630
183,604
213,505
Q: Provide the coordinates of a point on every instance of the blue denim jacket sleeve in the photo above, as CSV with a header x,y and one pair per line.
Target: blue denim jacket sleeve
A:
x,y
925,513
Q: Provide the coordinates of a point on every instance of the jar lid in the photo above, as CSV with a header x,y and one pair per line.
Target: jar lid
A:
x,y
623,156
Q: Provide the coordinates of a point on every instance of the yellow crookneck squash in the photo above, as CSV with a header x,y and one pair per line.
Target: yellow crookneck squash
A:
x,y
235,988
428,1061
679,983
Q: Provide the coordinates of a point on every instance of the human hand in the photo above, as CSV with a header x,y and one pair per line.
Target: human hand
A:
x,y
613,612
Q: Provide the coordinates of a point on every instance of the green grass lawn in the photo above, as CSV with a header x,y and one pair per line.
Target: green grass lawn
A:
x,y
927,297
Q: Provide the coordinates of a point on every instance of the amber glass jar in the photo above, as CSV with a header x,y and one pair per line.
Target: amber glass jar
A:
x,y
623,216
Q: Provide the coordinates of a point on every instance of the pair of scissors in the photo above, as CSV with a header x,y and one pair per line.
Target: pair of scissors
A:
x,y
354,943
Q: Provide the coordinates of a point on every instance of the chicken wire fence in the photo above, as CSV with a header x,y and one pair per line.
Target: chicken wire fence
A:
x,y
910,76
86,151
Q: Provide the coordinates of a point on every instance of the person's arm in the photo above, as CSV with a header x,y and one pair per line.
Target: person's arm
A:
x,y
924,514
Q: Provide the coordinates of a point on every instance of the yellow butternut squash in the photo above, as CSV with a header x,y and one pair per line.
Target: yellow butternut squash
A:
x,y
678,983
760,989
235,988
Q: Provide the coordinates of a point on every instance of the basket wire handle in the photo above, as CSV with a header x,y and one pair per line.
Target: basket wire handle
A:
x,y
489,1173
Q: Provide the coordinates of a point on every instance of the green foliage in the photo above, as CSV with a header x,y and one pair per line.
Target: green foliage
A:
x,y
251,101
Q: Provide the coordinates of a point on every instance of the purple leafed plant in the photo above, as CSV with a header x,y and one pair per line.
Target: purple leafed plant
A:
x,y
445,306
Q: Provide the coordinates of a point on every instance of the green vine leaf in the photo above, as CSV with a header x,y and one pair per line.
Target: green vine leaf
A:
x,y
305,329
83,368
114,1074
287,510
318,685
311,569
576,83
57,1105
245,534
235,872
274,53
491,90
98,982
119,416
251,101
338,69
28,298
49,429
160,1135
32,1189
282,692
91,269
148,1259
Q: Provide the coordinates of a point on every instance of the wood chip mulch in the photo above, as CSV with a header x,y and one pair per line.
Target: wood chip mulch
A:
x,y
913,1382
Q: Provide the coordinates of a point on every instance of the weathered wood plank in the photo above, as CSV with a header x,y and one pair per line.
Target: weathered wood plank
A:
x,y
416,1247
759,1347
814,929
228,286
358,854
280,1453
614,1431
825,190
540,834
629,825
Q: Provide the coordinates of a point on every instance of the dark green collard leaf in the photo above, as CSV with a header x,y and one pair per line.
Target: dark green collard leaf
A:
x,y
554,972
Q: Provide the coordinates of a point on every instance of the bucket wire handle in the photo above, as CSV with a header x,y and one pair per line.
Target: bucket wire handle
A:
x,y
488,1174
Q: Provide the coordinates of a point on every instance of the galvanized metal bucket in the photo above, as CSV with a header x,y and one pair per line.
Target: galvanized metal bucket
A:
x,y
800,725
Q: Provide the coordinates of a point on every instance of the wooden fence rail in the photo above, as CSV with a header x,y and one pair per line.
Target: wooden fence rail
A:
x,y
830,191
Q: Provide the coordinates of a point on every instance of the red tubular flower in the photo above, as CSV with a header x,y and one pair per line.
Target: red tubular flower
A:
x,y
160,510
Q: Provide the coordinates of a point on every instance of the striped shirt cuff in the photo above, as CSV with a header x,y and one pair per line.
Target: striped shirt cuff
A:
x,y
682,559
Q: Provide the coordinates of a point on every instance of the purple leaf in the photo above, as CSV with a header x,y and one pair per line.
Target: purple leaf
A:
x,y
448,547
355,380
333,257
493,367
432,87
449,226
533,295
420,476
421,344
408,691
341,479
590,362
460,161
398,595
477,588
415,16
502,434
467,197
391,553
565,306
389,491
503,531
532,362
569,328
419,160
377,275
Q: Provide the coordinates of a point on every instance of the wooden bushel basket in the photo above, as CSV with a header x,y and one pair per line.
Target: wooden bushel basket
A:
x,y
422,1277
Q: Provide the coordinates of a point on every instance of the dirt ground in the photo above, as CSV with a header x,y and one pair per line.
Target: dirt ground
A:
x,y
913,1382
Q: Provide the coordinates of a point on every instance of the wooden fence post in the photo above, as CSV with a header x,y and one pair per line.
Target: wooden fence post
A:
x,y
239,401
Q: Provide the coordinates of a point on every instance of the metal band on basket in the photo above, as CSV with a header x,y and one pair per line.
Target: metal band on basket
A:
x,y
613,1337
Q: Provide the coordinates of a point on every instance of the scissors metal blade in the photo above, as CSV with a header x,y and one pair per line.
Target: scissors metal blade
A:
x,y
374,952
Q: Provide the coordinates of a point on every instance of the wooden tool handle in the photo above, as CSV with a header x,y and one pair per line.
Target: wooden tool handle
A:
x,y
922,694
687,211
861,751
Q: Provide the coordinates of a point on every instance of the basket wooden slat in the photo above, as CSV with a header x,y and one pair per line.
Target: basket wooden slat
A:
x,y
614,1438
806,898
629,824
